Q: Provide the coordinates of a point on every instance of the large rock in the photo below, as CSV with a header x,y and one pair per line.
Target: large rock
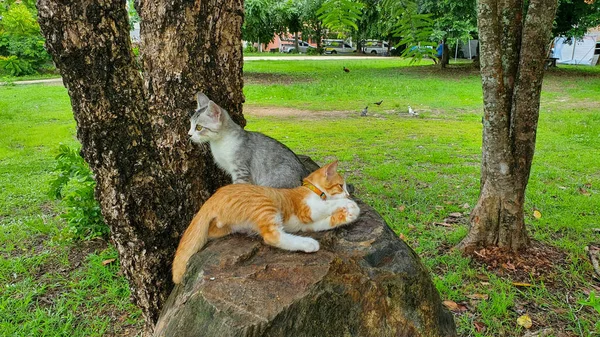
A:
x,y
363,282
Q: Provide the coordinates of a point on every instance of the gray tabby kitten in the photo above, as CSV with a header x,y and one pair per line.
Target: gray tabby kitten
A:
x,y
249,157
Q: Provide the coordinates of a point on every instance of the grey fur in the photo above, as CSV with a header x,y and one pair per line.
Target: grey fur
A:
x,y
249,157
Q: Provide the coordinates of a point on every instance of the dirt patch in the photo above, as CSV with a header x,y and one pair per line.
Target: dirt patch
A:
x,y
270,78
291,112
310,114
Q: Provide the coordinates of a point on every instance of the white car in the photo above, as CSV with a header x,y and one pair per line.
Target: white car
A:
x,y
337,47
376,47
287,46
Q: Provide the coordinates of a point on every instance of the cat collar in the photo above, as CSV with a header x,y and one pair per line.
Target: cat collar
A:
x,y
315,189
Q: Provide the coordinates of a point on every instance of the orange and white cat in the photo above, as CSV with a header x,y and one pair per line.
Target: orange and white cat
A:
x,y
322,203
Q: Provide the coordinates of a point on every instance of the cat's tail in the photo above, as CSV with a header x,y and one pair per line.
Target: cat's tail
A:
x,y
193,239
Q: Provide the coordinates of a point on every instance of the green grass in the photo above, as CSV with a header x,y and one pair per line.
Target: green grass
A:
x,y
414,171
50,285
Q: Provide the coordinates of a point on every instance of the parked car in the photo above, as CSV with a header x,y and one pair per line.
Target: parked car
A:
x,y
376,47
337,47
288,46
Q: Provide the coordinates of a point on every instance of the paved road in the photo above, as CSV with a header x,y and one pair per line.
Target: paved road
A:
x,y
58,81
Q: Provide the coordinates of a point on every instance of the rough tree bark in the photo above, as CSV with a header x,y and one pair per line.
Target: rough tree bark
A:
x,y
513,41
132,125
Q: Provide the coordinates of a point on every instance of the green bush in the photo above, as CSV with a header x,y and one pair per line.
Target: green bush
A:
x,y
74,185
13,66
314,51
21,42
250,49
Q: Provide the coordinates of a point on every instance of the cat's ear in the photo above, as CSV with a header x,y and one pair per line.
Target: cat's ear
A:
x,y
214,111
331,169
201,99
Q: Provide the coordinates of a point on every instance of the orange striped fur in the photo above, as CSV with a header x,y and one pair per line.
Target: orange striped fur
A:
x,y
271,213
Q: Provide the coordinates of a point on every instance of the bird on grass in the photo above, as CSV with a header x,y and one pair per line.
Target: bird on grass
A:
x,y
346,69
363,113
412,112
378,103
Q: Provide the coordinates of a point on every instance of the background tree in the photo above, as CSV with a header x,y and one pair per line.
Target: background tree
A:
x,y
341,16
133,126
258,21
312,25
452,20
287,16
514,39
21,43
575,17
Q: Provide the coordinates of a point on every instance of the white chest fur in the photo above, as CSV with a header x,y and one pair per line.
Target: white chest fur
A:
x,y
224,151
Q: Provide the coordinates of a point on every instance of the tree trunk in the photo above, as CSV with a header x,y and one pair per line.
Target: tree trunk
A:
x,y
445,60
133,127
512,64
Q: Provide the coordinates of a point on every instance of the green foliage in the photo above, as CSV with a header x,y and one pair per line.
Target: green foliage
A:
x,y
286,16
340,15
74,184
414,29
593,302
20,21
259,24
453,20
14,66
21,43
134,17
575,17
312,26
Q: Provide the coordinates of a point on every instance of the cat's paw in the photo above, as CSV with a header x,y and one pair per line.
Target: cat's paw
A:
x,y
346,214
310,245
352,211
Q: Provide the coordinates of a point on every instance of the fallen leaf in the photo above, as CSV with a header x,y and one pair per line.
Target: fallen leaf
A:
x,y
466,206
402,237
537,214
451,305
401,208
105,262
448,202
479,326
482,277
508,266
443,224
411,227
525,321
439,208
455,215
455,307
478,296
521,284
585,192
562,187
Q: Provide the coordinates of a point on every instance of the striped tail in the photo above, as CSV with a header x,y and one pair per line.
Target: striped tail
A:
x,y
193,240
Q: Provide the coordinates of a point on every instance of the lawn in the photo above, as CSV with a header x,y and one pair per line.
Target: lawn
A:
x,y
415,171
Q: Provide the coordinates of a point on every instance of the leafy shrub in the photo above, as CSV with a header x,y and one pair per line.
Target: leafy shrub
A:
x,y
250,49
314,51
20,21
74,185
20,37
12,65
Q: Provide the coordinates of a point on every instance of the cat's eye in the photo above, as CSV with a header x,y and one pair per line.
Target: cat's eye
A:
x,y
199,127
